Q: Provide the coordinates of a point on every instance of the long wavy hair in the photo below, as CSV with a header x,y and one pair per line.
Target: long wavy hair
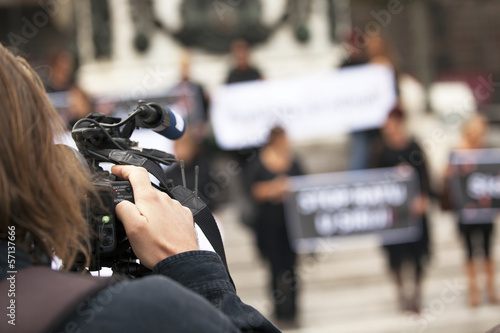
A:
x,y
41,185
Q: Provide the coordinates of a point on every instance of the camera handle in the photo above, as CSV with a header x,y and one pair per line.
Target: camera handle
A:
x,y
201,214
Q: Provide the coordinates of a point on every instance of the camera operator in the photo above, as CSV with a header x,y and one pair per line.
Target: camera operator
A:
x,y
41,216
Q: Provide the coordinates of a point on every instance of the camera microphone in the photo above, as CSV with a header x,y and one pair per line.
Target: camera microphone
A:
x,y
162,120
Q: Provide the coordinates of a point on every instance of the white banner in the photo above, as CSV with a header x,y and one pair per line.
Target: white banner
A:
x,y
347,99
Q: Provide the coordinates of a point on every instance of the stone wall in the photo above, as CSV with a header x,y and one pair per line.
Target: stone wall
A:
x,y
465,34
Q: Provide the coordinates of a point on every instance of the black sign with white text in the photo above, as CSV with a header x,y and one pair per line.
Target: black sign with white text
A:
x,y
475,184
323,206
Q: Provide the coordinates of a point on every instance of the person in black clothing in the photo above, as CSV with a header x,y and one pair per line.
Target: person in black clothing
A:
x,y
269,183
242,71
376,50
473,137
73,102
191,96
396,148
42,191
62,72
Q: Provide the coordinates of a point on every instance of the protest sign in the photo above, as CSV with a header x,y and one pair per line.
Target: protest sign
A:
x,y
327,206
474,186
341,101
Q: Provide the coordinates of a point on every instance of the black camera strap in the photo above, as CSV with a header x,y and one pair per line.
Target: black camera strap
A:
x,y
201,214
204,219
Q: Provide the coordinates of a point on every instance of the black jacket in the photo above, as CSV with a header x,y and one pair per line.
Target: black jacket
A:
x,y
188,292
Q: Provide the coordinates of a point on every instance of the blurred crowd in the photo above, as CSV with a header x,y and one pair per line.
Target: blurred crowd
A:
x,y
266,170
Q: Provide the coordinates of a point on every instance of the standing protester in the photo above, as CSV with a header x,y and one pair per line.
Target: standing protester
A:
x,y
242,71
376,50
40,211
62,80
191,98
62,72
398,148
269,184
473,137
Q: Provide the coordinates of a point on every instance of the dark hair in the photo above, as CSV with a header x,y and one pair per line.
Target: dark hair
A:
x,y
397,114
239,44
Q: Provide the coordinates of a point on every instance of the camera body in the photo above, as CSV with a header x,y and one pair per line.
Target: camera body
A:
x,y
106,224
100,138
108,240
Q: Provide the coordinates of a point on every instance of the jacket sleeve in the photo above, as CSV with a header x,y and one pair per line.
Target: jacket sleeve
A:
x,y
204,273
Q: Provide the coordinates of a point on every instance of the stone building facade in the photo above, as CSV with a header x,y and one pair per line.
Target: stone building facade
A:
x,y
440,39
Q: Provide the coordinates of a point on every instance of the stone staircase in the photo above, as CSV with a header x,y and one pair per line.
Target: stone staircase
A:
x,y
349,289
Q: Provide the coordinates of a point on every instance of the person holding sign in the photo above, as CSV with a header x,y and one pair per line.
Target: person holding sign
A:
x,y
243,71
397,148
269,179
376,49
473,137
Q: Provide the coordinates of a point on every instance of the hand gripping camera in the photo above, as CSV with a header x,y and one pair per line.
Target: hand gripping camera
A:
x,y
107,139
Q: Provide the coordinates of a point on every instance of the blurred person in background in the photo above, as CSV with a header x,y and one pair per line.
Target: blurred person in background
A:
x,y
269,183
355,51
62,71
74,103
397,148
79,105
376,50
242,71
380,51
477,235
191,95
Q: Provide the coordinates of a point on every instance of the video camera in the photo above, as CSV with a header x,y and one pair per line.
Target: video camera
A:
x,y
107,139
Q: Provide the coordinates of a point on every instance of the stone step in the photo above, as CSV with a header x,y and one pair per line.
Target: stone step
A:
x,y
350,290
